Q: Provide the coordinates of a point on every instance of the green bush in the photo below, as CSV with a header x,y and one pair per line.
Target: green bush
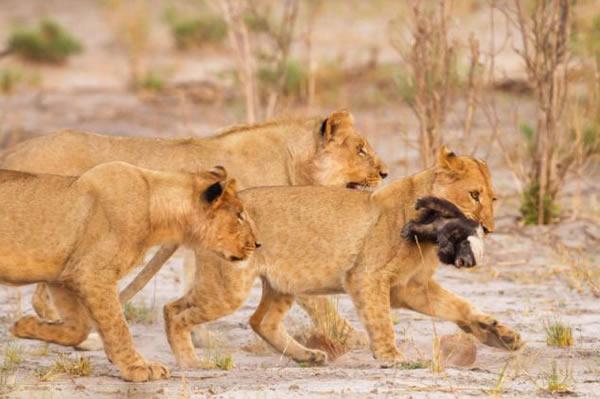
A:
x,y
48,42
152,81
10,79
295,80
189,32
529,206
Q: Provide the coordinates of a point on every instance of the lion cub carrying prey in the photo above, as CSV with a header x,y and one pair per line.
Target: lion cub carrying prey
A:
x,y
82,234
326,240
459,239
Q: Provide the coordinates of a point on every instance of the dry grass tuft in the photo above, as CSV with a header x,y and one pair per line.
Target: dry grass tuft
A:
x,y
63,365
559,334
557,380
13,357
334,349
330,333
215,354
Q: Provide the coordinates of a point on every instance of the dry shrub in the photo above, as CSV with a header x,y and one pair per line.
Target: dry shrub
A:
x,y
196,28
431,74
261,34
556,145
130,20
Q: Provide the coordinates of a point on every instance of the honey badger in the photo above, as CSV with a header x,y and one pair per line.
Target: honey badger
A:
x,y
459,238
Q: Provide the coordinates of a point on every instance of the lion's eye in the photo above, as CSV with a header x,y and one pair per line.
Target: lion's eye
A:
x,y
475,195
362,152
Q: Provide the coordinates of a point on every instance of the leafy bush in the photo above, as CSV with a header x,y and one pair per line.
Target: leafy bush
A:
x,y
295,78
48,42
529,206
152,81
190,32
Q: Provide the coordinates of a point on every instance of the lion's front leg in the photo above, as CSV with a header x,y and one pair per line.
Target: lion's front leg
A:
x,y
101,299
206,301
371,297
433,300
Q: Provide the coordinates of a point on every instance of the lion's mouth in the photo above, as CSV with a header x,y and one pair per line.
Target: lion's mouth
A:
x,y
358,186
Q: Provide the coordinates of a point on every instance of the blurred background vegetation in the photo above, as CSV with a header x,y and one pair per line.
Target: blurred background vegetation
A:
x,y
516,82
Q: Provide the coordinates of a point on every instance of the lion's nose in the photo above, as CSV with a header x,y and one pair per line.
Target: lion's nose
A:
x,y
257,244
383,174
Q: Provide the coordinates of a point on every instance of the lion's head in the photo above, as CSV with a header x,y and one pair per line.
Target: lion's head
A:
x,y
344,157
466,182
227,228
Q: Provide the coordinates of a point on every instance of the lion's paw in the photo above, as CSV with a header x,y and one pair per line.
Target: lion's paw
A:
x,y
389,359
189,362
145,371
317,357
24,327
500,336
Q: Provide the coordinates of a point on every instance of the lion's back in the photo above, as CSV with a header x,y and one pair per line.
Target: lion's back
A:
x,y
310,234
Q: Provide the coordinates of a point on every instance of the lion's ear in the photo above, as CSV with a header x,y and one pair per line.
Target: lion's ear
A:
x,y
216,193
218,172
448,160
213,192
331,126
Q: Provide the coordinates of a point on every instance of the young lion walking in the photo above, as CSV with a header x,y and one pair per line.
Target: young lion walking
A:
x,y
80,235
313,151
325,240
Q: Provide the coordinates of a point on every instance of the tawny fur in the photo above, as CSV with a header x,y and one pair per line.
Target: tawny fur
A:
x,y
324,240
80,235
316,151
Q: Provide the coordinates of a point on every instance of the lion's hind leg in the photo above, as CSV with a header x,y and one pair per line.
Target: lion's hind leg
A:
x,y
71,328
43,304
267,322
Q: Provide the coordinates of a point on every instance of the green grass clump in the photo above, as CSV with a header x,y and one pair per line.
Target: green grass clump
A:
x,y
557,380
48,42
139,313
190,32
559,334
152,81
529,206
10,79
414,365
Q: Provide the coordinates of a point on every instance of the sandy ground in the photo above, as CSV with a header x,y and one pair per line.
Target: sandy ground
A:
x,y
532,276
524,283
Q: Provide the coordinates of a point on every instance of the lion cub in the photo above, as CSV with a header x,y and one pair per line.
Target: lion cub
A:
x,y
82,234
326,240
459,238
